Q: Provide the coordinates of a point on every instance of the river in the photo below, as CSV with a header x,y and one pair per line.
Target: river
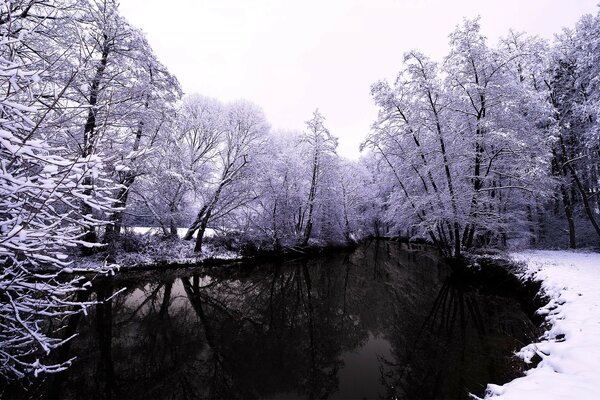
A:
x,y
380,321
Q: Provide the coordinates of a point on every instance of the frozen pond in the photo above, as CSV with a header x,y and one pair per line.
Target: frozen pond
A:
x,y
381,321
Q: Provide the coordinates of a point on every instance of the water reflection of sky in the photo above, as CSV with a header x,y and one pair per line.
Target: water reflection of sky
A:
x,y
361,377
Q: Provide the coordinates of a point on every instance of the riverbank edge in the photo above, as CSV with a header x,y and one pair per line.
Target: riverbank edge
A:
x,y
219,257
230,258
260,257
564,358
530,294
177,253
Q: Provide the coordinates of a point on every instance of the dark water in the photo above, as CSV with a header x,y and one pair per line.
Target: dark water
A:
x,y
378,322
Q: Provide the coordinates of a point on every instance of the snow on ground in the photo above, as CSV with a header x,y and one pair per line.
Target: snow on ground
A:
x,y
142,230
151,252
570,349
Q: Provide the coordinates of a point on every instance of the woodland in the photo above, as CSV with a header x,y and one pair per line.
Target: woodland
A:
x,y
495,146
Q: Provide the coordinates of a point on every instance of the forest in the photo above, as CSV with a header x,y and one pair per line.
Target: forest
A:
x,y
496,146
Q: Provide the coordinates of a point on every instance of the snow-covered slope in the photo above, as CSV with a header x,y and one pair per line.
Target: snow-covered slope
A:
x,y
570,349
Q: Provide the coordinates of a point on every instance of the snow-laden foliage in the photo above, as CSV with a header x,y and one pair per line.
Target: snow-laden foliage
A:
x,y
492,146
572,81
222,141
41,195
272,190
463,144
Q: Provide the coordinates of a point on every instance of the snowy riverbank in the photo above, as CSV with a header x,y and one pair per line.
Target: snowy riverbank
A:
x,y
570,348
144,247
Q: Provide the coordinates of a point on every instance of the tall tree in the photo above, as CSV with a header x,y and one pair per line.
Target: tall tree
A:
x,y
239,131
322,145
151,105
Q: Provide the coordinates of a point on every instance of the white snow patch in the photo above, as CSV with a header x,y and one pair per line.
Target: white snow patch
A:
x,y
570,349
142,230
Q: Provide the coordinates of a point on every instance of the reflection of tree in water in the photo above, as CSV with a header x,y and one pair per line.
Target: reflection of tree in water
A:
x,y
461,344
278,331
284,330
284,338
124,346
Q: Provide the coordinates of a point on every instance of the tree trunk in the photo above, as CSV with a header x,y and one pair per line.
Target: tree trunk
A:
x,y
89,142
347,233
300,221
586,203
560,169
113,229
569,214
276,241
192,229
204,215
311,199
530,226
453,200
201,230
172,227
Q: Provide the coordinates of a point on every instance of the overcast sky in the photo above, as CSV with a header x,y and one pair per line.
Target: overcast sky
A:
x,y
291,57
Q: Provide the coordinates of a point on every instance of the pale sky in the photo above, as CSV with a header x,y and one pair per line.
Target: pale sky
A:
x,y
291,56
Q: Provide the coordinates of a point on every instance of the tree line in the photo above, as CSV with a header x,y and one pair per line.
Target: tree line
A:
x,y
495,144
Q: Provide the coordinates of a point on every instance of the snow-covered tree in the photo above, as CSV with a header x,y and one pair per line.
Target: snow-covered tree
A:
x,y
463,143
225,139
279,188
503,119
321,145
154,93
572,82
41,192
113,97
357,199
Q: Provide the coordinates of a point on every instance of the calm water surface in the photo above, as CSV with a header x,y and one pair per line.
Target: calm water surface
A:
x,y
381,321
